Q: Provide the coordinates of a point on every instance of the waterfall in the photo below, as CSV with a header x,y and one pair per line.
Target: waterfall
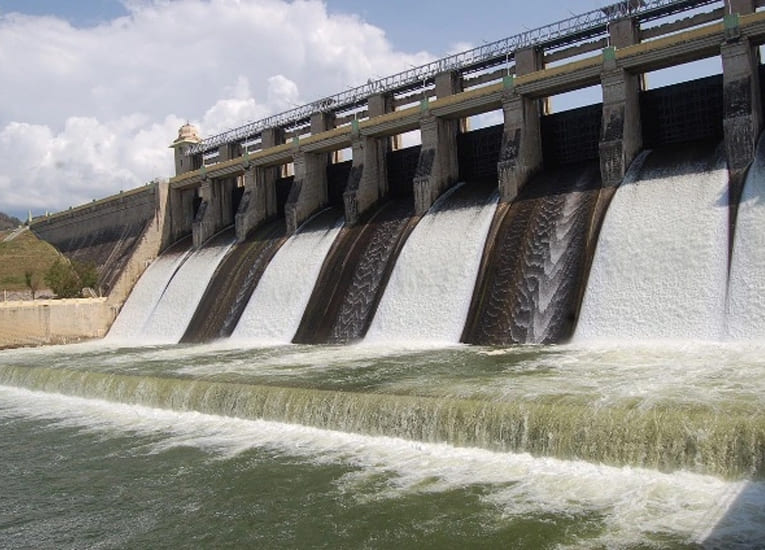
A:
x,y
233,284
746,286
703,440
533,265
171,316
355,274
660,268
276,306
145,296
428,294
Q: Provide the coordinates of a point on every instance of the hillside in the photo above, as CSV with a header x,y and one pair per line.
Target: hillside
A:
x,y
24,253
8,222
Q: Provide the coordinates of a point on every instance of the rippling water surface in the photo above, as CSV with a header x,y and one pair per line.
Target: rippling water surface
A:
x,y
97,467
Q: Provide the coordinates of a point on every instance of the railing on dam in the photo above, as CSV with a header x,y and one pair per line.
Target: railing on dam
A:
x,y
575,30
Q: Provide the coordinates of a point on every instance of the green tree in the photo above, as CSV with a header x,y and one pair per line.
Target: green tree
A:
x,y
87,273
33,282
63,279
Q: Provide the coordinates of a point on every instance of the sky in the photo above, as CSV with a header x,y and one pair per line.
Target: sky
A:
x,y
92,92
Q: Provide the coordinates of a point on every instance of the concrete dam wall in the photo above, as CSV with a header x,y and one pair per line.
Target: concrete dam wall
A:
x,y
553,174
104,232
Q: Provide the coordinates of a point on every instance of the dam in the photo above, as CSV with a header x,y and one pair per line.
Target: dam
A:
x,y
542,333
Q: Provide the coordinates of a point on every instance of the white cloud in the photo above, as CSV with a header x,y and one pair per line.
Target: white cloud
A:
x,y
85,112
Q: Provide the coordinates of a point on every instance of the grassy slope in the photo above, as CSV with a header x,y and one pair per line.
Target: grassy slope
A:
x,y
25,252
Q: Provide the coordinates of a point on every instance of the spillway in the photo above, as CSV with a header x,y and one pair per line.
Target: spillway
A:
x,y
746,287
534,261
233,284
273,313
660,268
146,294
172,313
355,274
428,294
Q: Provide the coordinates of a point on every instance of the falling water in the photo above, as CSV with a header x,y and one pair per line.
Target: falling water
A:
x,y
746,287
146,295
660,266
428,295
274,311
172,314
533,264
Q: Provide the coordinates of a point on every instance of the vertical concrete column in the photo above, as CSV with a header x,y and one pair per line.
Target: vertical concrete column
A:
x,y
367,182
521,154
621,136
259,199
181,209
742,7
437,167
309,189
204,222
378,105
742,109
624,32
321,122
530,60
216,209
229,151
450,83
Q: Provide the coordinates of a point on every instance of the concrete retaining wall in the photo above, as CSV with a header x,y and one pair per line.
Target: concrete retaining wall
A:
x,y
53,321
41,322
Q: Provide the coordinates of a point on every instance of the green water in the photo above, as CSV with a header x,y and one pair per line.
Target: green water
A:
x,y
133,460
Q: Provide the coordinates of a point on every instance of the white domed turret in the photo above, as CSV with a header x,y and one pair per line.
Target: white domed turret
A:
x,y
187,135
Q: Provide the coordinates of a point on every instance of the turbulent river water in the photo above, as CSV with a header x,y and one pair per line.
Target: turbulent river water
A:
x,y
370,447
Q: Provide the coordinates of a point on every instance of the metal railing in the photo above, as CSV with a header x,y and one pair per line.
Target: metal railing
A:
x,y
574,29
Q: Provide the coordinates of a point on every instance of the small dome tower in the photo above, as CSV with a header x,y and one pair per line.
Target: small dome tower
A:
x,y
188,135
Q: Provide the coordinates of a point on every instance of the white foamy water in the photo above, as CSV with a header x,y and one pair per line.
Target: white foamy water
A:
x,y
144,297
746,288
660,268
634,503
428,295
273,314
174,311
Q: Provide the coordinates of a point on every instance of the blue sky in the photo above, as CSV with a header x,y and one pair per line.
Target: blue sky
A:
x,y
94,90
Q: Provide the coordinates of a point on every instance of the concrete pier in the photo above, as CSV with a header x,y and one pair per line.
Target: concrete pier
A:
x,y
437,167
621,135
520,156
259,199
216,210
309,189
368,181
742,118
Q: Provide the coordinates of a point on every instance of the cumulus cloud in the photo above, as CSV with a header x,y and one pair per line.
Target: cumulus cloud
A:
x,y
85,112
